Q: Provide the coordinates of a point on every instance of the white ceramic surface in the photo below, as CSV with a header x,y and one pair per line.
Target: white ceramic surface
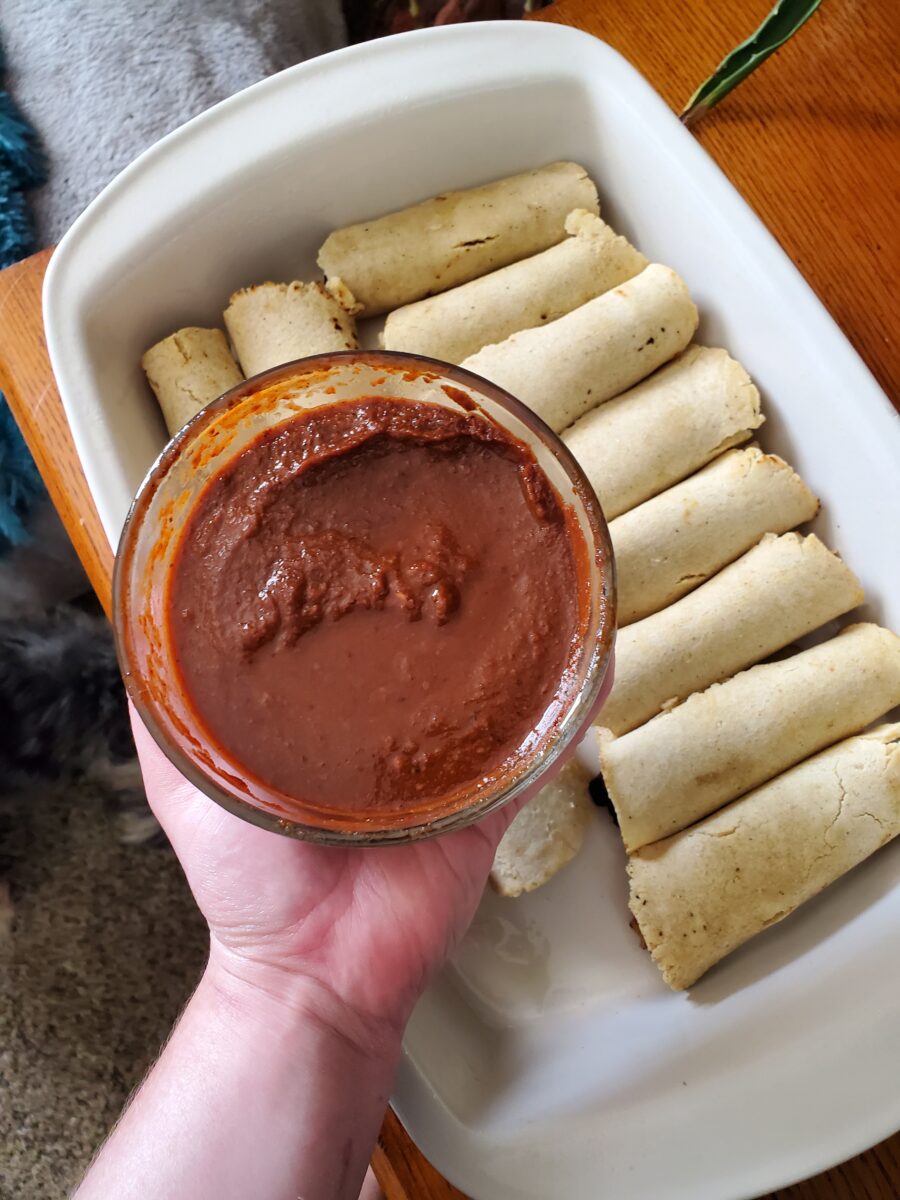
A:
x,y
549,1061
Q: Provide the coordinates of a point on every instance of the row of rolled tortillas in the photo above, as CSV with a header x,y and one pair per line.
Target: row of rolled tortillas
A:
x,y
479,230
706,589
700,894
702,882
670,539
565,368
734,735
783,588
591,354
455,324
581,328
607,319
563,323
529,250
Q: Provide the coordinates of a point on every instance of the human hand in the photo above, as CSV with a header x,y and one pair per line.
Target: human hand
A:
x,y
365,926
277,1075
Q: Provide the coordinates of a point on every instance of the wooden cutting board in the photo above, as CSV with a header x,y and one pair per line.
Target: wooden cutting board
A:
x,y
811,141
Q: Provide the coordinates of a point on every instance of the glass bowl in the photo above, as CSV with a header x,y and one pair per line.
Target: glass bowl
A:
x,y
150,538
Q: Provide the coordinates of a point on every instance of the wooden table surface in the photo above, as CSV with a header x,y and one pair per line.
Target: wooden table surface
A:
x,y
811,141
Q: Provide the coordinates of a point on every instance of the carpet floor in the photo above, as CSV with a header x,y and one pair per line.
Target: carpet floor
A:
x,y
104,947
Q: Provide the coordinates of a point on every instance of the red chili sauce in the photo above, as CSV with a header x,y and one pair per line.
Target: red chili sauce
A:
x,y
376,605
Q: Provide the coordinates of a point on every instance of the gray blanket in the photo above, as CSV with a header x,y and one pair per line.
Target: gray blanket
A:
x,y
103,79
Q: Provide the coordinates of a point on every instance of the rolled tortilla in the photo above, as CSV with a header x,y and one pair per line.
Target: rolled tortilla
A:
x,y
563,369
454,237
274,323
775,593
720,743
669,545
187,370
532,292
665,428
702,893
545,835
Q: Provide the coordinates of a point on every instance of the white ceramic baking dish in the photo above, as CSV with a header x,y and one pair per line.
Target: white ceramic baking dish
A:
x,y
549,1061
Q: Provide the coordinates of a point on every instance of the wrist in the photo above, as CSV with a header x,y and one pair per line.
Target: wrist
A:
x,y
269,1086
274,997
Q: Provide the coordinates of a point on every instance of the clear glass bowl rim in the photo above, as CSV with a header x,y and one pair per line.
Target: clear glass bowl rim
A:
x,y
585,702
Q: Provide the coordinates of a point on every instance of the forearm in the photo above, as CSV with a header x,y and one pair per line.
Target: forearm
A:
x,y
270,1092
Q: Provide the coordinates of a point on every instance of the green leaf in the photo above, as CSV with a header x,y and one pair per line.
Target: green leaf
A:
x,y
782,23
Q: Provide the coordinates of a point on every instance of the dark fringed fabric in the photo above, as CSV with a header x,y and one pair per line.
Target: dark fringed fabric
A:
x,y
22,166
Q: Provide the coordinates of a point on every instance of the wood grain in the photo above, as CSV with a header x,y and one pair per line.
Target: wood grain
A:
x,y
403,1171
811,141
27,381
